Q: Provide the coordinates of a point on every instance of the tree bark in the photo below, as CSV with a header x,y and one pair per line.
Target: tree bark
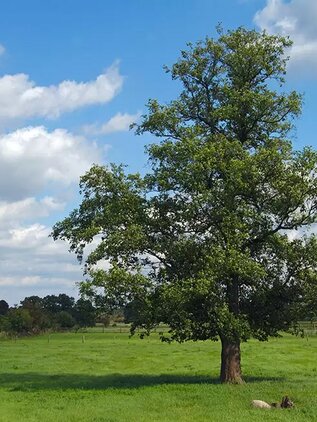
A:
x,y
230,352
230,362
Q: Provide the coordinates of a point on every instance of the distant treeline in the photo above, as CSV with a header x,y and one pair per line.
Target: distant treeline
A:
x,y
51,313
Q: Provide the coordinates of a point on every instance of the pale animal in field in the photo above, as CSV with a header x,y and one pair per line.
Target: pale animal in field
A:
x,y
285,404
260,404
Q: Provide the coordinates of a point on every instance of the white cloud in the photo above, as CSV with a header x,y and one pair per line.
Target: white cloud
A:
x,y
25,238
296,18
119,123
32,159
22,98
35,280
28,208
37,169
32,263
2,49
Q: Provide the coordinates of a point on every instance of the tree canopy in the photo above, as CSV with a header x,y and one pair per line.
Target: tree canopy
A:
x,y
201,242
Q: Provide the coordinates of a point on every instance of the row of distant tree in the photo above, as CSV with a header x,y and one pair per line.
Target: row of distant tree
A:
x,y
52,312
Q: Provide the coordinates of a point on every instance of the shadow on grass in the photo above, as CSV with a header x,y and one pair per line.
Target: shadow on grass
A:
x,y
36,382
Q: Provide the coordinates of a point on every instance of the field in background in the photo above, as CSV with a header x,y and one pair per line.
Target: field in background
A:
x,y
309,328
98,376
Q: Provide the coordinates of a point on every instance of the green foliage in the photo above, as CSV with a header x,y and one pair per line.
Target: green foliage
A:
x,y
41,320
84,313
16,322
4,307
200,243
64,319
36,315
54,304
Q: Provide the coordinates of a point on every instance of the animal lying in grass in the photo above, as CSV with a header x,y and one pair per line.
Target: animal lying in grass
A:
x,y
286,403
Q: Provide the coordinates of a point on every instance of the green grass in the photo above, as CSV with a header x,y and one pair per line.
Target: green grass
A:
x,y
111,377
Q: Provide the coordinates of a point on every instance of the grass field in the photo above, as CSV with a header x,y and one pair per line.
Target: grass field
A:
x,y
111,377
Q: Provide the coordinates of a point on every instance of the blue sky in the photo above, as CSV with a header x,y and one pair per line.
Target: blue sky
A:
x,y
73,76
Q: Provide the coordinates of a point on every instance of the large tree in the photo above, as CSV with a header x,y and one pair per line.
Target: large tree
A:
x,y
201,242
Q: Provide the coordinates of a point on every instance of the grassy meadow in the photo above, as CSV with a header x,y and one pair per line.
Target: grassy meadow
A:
x,y
111,377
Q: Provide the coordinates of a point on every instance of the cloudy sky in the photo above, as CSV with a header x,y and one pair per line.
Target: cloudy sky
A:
x,y
73,76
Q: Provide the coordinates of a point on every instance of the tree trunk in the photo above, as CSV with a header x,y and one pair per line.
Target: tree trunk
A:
x,y
230,362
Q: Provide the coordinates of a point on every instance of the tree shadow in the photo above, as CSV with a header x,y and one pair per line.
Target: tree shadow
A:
x,y
37,382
